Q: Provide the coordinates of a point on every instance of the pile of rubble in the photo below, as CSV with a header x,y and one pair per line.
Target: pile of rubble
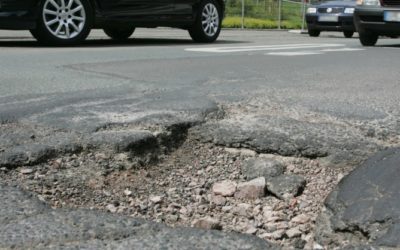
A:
x,y
200,185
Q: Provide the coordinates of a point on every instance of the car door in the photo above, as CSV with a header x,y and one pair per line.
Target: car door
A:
x,y
184,7
143,9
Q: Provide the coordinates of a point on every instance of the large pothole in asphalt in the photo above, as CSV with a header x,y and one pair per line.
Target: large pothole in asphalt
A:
x,y
262,172
179,190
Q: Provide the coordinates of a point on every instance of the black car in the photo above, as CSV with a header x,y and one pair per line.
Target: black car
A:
x,y
331,16
374,18
66,22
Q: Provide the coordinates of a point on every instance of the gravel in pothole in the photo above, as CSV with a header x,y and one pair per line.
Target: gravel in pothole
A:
x,y
178,191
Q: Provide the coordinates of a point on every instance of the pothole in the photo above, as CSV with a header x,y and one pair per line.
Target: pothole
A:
x,y
177,190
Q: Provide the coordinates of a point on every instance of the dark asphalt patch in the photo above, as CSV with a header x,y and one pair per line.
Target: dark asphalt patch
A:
x,y
364,208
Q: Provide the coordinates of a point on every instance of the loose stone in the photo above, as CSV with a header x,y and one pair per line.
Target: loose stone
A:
x,y
251,230
286,186
226,209
301,219
111,208
26,171
121,157
242,209
277,235
127,192
244,152
251,190
208,223
155,199
224,188
261,167
293,232
218,200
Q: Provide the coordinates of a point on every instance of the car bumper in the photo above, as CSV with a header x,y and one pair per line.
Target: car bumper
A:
x,y
345,23
371,19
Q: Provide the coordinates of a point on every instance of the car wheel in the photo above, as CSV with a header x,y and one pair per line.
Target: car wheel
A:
x,y
207,26
348,34
119,33
63,22
368,38
314,33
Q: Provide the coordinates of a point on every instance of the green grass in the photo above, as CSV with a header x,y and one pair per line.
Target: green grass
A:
x,y
255,23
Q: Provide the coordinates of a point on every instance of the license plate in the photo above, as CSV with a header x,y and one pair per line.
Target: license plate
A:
x,y
391,16
328,18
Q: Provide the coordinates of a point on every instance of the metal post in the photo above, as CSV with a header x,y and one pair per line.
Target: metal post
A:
x,y
279,14
242,14
304,15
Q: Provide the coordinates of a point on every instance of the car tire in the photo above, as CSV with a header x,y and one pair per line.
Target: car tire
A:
x,y
65,22
367,38
119,33
207,25
314,33
348,34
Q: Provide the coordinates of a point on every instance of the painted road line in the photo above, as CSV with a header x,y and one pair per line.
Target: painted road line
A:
x,y
295,53
309,52
263,48
342,50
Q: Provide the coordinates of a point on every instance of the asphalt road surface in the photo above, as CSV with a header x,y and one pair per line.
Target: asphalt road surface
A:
x,y
276,92
335,81
329,74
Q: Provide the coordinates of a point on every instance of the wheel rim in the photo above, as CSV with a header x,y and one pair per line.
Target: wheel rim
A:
x,y
65,19
210,20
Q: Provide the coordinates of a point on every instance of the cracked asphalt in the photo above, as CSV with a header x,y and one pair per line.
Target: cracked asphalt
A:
x,y
272,92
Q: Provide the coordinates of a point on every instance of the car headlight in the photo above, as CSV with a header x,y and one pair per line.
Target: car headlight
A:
x,y
311,10
369,2
349,10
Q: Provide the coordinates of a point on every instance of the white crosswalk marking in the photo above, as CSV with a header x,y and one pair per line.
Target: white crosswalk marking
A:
x,y
341,50
281,49
263,48
295,53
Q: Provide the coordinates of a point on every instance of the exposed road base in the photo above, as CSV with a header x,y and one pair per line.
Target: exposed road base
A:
x,y
25,222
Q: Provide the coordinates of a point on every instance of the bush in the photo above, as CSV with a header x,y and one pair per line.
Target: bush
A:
x,y
254,23
263,14
232,22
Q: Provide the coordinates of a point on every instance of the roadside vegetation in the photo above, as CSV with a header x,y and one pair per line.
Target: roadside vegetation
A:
x,y
260,14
